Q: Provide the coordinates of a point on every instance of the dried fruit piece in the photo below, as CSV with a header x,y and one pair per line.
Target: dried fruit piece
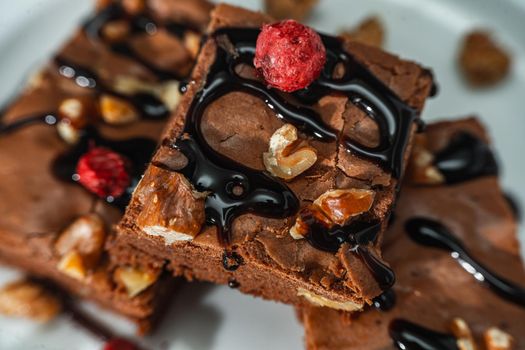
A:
x,y
335,207
134,280
496,339
86,236
463,334
172,209
28,299
103,172
296,9
119,344
325,302
482,61
289,55
117,111
287,157
370,32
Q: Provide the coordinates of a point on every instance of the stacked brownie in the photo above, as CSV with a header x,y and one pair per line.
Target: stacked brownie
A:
x,y
76,142
275,170
224,200
453,247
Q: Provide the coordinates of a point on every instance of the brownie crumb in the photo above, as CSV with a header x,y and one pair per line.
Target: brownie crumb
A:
x,y
483,62
369,32
295,9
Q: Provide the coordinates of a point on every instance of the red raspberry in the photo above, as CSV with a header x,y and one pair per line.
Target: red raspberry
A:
x,y
103,172
289,55
119,344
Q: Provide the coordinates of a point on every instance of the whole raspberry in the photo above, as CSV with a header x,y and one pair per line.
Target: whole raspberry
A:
x,y
119,344
103,172
289,55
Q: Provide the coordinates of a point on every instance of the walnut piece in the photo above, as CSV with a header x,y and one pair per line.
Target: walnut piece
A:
x,y
370,32
117,111
421,169
75,114
335,207
496,339
482,61
134,280
28,299
115,31
296,9
168,91
288,156
80,245
171,208
463,334
325,302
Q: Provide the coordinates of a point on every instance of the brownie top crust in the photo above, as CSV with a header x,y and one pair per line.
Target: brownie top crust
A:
x,y
223,127
439,289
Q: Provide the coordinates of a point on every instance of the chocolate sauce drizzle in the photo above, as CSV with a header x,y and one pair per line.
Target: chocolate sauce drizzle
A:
x,y
386,301
410,336
466,157
139,24
263,194
433,234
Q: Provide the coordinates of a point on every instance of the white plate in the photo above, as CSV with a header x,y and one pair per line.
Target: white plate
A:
x,y
206,317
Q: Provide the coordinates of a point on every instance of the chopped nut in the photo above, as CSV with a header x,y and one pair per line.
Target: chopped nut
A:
x,y
28,299
117,111
463,334
341,205
296,9
334,207
192,42
86,237
134,280
78,111
482,61
370,32
134,7
72,265
168,92
171,207
496,339
421,169
68,132
115,31
333,304
286,157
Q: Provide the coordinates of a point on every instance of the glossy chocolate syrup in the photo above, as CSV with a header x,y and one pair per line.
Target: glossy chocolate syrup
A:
x,y
410,336
233,284
139,24
386,301
47,118
137,151
433,234
466,157
148,105
264,194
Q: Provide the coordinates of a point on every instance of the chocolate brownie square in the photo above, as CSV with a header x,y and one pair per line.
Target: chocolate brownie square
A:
x,y
76,142
453,247
283,195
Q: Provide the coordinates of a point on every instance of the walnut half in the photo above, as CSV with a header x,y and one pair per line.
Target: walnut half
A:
x,y
336,207
172,209
287,156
